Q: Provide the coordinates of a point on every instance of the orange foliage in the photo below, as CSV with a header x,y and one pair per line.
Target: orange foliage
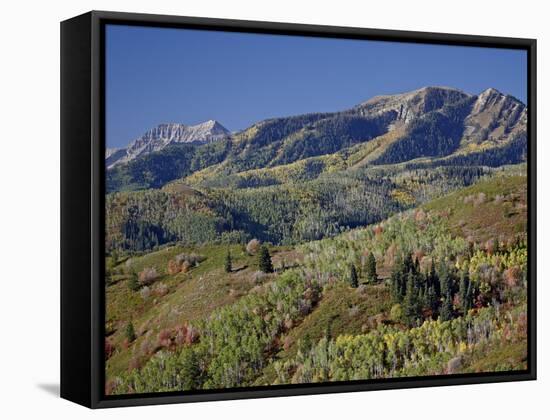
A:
x,y
173,267
512,276
378,230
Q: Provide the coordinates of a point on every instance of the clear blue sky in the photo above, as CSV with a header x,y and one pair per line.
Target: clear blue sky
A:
x,y
157,75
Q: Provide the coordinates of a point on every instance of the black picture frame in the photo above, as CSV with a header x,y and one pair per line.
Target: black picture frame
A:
x,y
82,206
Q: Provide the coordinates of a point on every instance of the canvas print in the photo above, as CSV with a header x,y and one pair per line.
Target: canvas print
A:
x,y
296,210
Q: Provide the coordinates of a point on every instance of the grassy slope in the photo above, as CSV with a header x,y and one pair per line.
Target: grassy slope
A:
x,y
191,296
489,209
505,357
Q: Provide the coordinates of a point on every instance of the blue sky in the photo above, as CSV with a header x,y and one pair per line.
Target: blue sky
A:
x,y
157,75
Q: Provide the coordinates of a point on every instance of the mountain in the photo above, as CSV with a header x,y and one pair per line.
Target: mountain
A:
x,y
494,117
429,126
163,135
467,125
429,123
491,115
409,106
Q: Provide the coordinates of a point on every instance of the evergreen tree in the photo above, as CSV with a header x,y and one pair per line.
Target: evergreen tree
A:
x,y
133,283
228,262
372,276
396,280
130,332
469,300
430,278
446,285
445,280
353,278
264,260
411,305
408,264
447,309
432,301
463,291
433,281
395,286
422,297
405,270
416,265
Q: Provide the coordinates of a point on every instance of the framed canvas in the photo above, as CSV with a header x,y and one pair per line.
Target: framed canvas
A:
x,y
254,209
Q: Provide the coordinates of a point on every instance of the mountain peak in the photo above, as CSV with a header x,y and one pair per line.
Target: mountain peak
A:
x,y
410,105
420,91
430,89
491,96
211,124
490,91
494,116
162,135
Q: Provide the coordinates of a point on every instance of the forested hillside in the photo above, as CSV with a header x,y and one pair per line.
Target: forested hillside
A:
x,y
433,290
279,212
